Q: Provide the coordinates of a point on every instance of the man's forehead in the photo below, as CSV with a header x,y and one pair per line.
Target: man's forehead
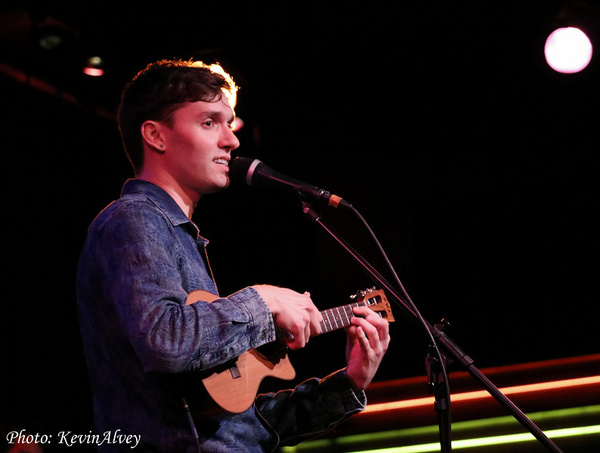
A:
x,y
219,107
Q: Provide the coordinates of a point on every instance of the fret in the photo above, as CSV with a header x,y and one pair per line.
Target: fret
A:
x,y
324,327
338,317
347,315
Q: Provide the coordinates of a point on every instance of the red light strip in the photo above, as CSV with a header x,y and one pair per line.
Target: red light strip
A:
x,y
480,394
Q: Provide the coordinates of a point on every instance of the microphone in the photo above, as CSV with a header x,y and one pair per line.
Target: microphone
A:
x,y
255,173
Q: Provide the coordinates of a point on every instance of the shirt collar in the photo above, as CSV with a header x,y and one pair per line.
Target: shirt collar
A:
x,y
161,199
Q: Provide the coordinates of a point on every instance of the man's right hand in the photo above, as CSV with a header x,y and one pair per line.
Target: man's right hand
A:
x,y
292,312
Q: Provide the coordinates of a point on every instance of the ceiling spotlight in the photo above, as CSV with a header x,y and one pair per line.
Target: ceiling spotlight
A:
x,y
94,66
53,35
568,50
50,41
574,31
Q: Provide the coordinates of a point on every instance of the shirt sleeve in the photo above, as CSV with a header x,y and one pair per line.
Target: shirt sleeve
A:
x,y
311,409
141,280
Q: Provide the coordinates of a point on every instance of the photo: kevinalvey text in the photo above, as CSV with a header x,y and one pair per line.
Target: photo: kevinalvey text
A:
x,y
70,439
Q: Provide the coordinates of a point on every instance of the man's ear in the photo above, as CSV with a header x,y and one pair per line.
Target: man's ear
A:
x,y
152,136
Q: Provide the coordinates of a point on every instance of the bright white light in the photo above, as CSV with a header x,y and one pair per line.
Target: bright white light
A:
x,y
568,50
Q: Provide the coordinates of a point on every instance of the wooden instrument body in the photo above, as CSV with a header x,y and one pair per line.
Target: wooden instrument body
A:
x,y
234,385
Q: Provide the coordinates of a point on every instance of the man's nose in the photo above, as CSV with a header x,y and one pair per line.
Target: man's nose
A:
x,y
229,140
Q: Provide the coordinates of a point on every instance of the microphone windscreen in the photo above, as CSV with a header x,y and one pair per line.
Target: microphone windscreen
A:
x,y
239,169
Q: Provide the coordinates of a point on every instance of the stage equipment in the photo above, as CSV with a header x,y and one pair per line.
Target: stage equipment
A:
x,y
572,35
441,347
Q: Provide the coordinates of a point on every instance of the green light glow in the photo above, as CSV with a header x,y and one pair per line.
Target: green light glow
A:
x,y
488,441
346,443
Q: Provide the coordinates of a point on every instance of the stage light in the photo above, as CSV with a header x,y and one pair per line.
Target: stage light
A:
x,y
50,40
469,434
482,394
53,35
568,50
509,439
237,124
94,67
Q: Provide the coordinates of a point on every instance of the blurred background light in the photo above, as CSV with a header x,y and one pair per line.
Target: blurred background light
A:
x,y
94,67
568,50
237,124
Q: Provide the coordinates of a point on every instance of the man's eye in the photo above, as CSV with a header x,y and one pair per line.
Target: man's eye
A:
x,y
208,123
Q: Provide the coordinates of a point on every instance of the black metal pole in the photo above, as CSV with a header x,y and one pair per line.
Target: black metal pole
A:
x,y
450,348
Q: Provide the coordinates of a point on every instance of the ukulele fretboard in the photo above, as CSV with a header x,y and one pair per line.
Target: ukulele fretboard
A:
x,y
339,317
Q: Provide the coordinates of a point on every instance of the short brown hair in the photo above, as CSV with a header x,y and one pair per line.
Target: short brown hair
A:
x,y
159,89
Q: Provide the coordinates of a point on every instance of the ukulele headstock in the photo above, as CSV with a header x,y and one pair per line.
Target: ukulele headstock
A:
x,y
376,300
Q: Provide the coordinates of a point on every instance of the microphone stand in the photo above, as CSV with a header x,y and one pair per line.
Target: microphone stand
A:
x,y
436,359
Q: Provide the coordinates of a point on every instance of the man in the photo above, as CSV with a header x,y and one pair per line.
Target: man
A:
x,y
147,350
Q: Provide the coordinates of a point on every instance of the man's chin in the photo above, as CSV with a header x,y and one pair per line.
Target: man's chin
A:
x,y
219,187
227,184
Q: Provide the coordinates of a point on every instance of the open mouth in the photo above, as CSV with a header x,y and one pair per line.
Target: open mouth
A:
x,y
221,162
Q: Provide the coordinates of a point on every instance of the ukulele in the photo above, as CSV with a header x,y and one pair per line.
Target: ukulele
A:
x,y
234,385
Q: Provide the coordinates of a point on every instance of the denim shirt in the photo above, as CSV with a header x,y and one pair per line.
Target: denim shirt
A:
x,y
145,348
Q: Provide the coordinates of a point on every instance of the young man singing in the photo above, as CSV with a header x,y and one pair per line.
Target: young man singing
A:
x,y
147,349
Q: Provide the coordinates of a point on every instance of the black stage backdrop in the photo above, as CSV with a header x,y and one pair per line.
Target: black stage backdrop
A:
x,y
473,162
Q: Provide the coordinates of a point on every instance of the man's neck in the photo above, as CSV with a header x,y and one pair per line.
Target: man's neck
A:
x,y
186,202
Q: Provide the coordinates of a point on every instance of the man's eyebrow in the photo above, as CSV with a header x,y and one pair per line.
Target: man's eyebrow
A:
x,y
217,115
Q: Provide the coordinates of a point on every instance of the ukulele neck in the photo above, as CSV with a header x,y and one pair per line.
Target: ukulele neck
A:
x,y
338,317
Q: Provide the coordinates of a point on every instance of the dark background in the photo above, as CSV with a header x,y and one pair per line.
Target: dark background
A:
x,y
474,163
